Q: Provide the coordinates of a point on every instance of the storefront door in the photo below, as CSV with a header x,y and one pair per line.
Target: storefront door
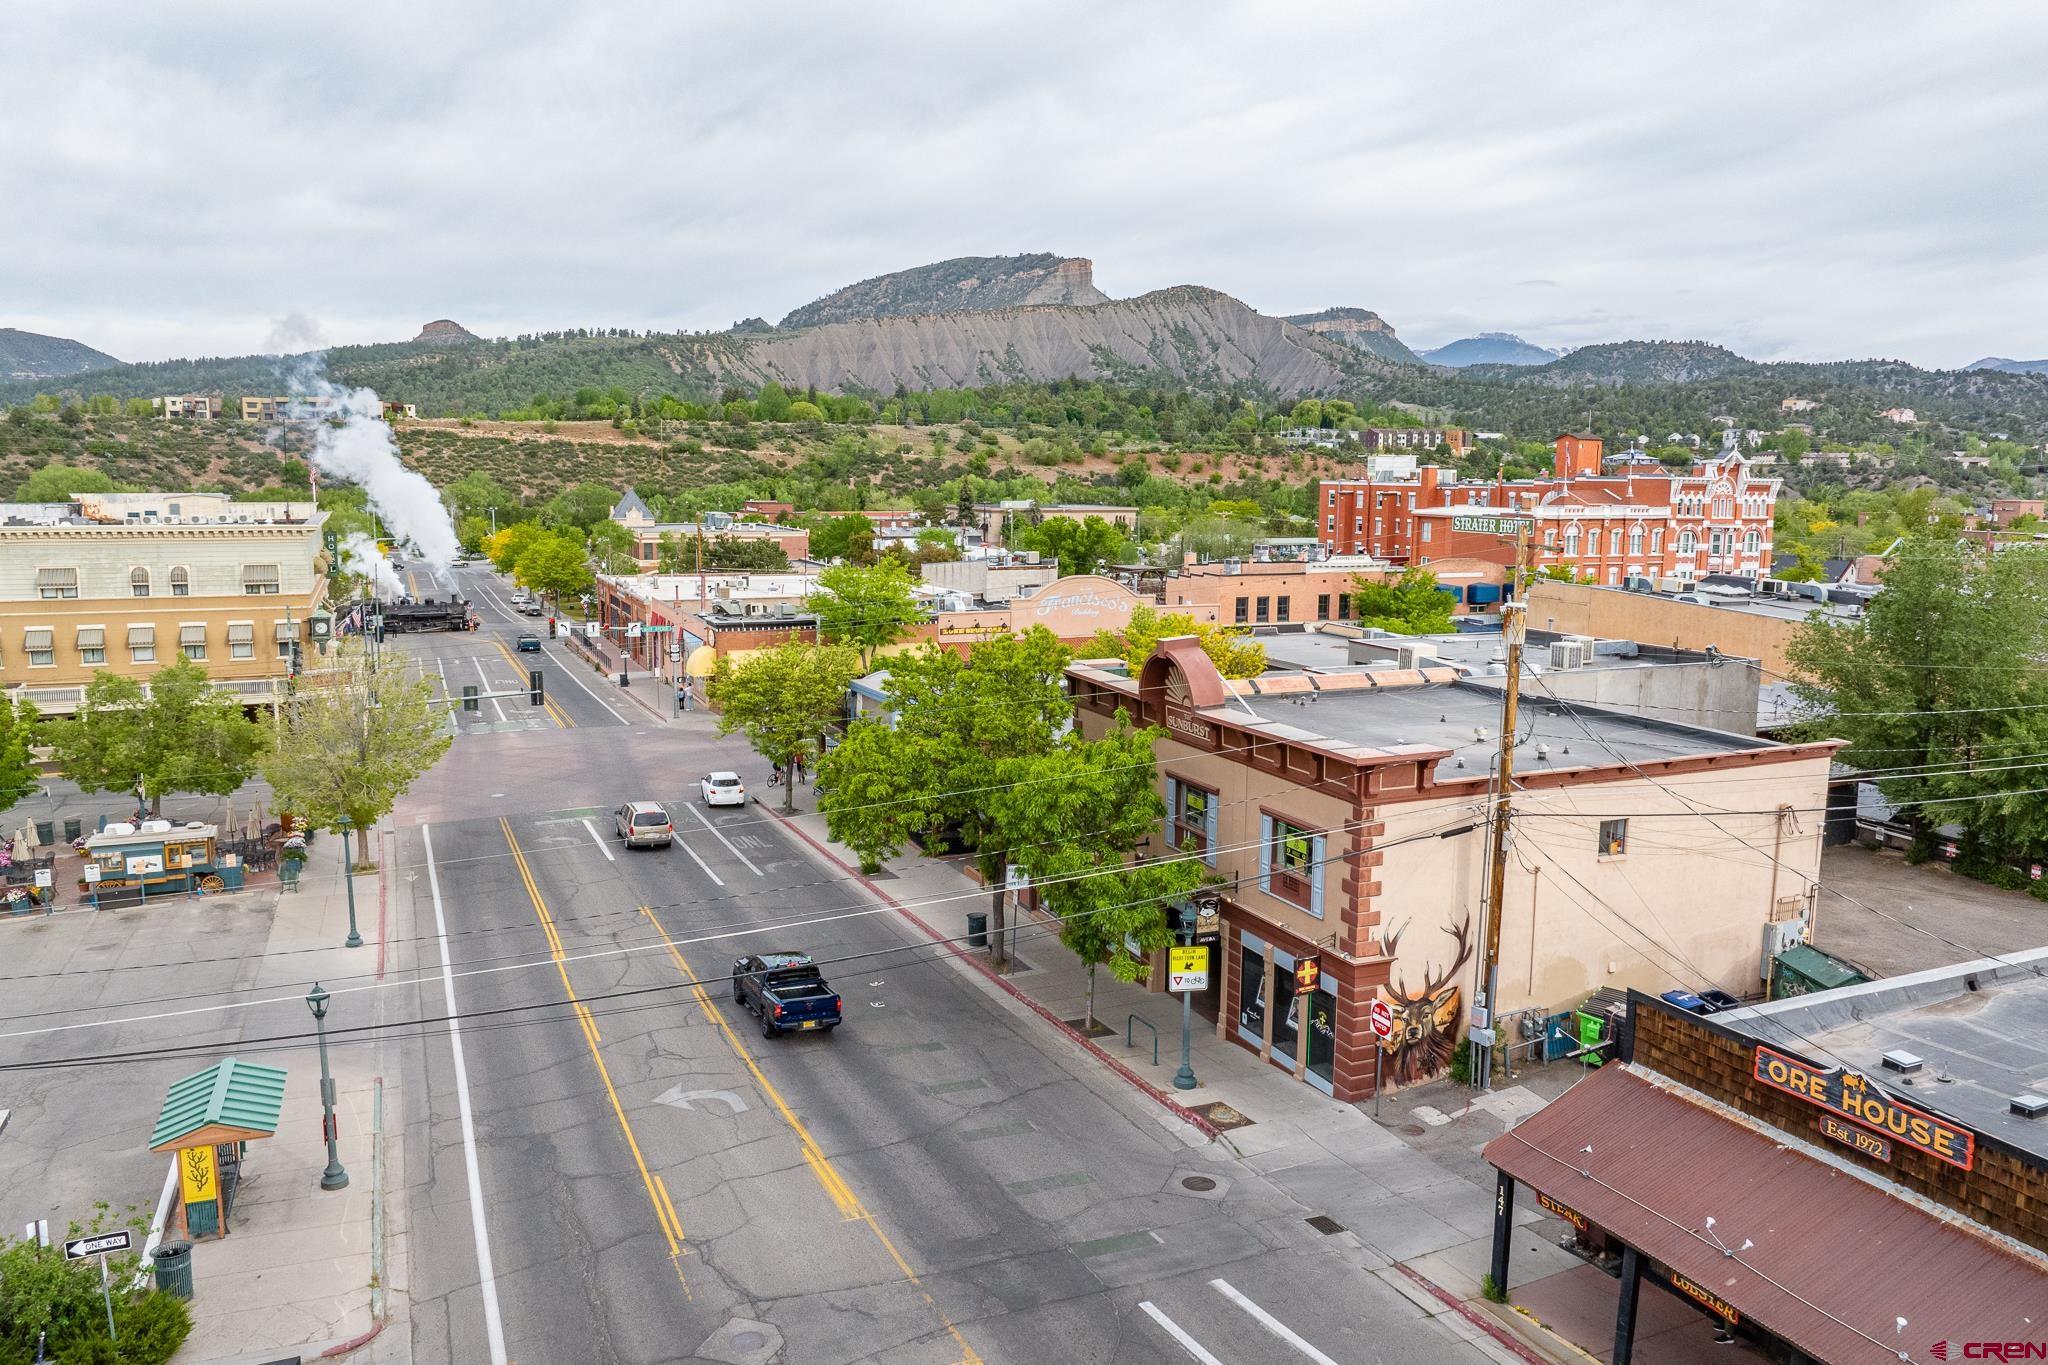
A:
x,y
1286,1011
1322,1038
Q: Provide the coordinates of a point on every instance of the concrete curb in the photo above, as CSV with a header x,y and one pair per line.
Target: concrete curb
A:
x,y
1495,1330
1145,1087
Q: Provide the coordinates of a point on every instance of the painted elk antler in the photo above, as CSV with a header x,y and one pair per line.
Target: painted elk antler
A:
x,y
1461,935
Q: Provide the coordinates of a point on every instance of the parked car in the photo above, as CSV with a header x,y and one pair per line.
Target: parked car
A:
x,y
644,824
529,643
530,607
723,789
786,992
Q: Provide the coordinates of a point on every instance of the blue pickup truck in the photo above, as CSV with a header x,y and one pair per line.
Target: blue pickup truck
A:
x,y
786,992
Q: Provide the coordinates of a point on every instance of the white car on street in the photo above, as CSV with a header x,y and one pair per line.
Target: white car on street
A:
x,y
723,789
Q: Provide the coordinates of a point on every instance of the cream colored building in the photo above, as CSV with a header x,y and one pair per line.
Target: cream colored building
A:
x,y
201,405
1344,815
287,407
131,582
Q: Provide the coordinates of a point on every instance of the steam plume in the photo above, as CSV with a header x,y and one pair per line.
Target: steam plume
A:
x,y
357,446
360,555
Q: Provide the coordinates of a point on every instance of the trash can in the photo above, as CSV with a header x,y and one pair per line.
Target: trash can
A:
x,y
73,828
173,1267
977,928
46,831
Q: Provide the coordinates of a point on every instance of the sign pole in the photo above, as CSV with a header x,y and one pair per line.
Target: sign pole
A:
x,y
1379,1061
108,1295
1184,1079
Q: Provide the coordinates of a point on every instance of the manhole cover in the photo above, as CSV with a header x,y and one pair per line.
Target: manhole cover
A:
x,y
748,1341
1197,1182
1325,1224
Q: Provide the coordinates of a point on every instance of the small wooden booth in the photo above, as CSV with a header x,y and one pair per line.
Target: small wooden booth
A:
x,y
155,858
208,1119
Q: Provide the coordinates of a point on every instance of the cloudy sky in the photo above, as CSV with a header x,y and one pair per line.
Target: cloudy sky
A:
x,y
1807,180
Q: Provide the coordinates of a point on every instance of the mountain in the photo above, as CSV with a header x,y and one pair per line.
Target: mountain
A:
x,y
441,329
1360,327
1624,362
1489,348
2004,366
963,284
30,355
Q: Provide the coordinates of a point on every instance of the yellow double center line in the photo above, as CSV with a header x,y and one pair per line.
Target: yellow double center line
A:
x,y
835,1186
555,713
657,1191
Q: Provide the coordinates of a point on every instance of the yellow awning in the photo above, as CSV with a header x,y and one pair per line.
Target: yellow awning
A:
x,y
703,661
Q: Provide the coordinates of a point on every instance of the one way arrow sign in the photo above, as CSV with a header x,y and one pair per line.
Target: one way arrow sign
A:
x,y
78,1248
682,1098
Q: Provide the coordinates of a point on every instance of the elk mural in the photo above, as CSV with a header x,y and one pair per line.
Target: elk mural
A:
x,y
1426,1021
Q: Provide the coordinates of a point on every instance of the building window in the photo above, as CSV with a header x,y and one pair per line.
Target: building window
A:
x,y
1751,542
1613,838
1265,609
1333,497
1635,541
1285,607
1358,526
192,640
142,644
1291,864
1427,527
52,584
1686,543
1244,607
92,644
138,582
1330,524
241,639
1343,606
1191,819
259,580
41,647
1657,541
181,582
1571,541
1614,541
1322,606
287,636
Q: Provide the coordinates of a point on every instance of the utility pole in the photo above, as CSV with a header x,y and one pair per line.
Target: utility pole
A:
x,y
1513,623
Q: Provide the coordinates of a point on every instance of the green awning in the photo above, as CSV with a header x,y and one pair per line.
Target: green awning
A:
x,y
230,1101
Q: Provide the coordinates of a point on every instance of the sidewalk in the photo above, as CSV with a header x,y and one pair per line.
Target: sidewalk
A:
x,y
654,694
1428,1230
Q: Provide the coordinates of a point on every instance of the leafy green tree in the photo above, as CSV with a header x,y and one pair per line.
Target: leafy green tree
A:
x,y
1233,652
354,738
1410,605
801,411
772,403
850,537
477,494
670,556
181,737
61,483
746,554
471,533
1941,677
612,546
784,700
583,506
556,565
868,608
1080,546
509,542
958,720
17,766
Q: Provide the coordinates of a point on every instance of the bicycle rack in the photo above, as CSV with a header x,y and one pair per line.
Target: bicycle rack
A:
x,y
1128,1044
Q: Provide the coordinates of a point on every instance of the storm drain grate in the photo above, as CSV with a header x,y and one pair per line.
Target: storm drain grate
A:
x,y
1325,1224
1197,1183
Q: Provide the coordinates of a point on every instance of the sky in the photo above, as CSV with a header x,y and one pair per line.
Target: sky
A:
x,y
1818,180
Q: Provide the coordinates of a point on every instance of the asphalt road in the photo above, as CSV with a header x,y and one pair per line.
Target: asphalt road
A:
x,y
941,1179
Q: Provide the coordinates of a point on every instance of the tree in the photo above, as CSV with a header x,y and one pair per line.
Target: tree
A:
x,y
556,565
749,554
784,699
669,556
583,506
61,483
771,404
613,546
355,736
850,537
17,765
1940,682
504,547
1410,605
477,494
958,720
182,736
868,608
1080,546
1232,651
471,533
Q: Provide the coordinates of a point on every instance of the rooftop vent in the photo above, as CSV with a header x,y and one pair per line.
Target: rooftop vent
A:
x,y
1903,1062
2030,1106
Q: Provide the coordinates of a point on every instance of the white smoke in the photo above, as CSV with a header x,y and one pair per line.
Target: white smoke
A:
x,y
293,334
352,442
360,556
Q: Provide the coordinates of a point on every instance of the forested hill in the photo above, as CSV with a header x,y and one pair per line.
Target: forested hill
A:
x,y
33,356
964,284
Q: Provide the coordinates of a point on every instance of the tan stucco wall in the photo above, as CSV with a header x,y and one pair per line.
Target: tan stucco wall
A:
x,y
1580,609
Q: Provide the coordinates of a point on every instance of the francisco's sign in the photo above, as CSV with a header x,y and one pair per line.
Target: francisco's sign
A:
x,y
1564,1211
1848,1094
1870,1144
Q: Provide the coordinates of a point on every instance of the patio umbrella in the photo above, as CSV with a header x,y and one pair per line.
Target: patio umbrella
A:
x,y
20,849
255,827
227,821
28,830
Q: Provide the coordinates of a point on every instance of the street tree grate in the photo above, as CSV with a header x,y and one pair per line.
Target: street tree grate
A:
x,y
1325,1224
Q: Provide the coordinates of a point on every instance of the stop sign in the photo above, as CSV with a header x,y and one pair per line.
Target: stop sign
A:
x,y
1382,1019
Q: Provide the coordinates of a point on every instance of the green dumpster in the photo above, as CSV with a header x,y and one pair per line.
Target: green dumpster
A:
x,y
1803,969
1592,1028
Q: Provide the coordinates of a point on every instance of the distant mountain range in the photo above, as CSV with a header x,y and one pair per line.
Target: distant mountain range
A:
x,y
31,355
1624,362
965,284
1359,327
2004,366
1489,348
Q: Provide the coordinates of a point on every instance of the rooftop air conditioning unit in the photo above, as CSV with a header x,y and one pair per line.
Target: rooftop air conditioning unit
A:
x,y
1415,654
1567,654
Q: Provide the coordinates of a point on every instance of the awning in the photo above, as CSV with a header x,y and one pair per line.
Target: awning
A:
x,y
192,635
241,632
702,663
1835,1260
259,573
287,630
39,639
92,637
230,1101
141,636
56,578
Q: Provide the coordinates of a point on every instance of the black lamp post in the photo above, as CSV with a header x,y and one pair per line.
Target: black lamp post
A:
x,y
1184,1079
334,1177
348,876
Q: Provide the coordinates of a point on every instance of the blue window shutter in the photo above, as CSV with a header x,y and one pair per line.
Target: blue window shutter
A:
x,y
1209,829
1172,805
1315,876
1266,853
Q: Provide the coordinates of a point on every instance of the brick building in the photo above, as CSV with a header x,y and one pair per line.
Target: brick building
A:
x,y
1605,528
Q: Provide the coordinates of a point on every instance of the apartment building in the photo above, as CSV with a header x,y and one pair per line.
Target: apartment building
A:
x,y
1417,438
1343,814
131,582
1277,593
203,406
300,407
1603,528
633,513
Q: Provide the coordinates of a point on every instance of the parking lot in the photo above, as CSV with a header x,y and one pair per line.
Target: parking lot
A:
x,y
1890,917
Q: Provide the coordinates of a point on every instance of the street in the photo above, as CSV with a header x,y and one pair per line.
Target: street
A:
x,y
607,1162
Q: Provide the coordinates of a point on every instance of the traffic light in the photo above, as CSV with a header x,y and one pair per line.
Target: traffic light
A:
x,y
469,701
536,690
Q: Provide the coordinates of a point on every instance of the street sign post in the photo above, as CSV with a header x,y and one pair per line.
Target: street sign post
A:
x,y
1382,1016
1187,969
1382,1020
101,1244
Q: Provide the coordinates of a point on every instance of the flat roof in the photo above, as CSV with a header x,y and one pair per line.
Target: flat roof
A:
x,y
1980,1029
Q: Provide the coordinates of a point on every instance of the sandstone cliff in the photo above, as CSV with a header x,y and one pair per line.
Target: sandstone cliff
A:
x,y
441,329
1359,327
964,284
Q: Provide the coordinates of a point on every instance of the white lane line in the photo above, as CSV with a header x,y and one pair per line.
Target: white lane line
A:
x,y
598,839
722,839
487,1279
1173,1329
571,669
1269,1322
699,861
495,706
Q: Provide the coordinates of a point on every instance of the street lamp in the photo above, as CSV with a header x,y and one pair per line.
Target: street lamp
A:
x,y
1184,1079
334,1177
348,876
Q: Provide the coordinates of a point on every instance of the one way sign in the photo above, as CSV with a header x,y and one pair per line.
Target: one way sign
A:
x,y
78,1248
